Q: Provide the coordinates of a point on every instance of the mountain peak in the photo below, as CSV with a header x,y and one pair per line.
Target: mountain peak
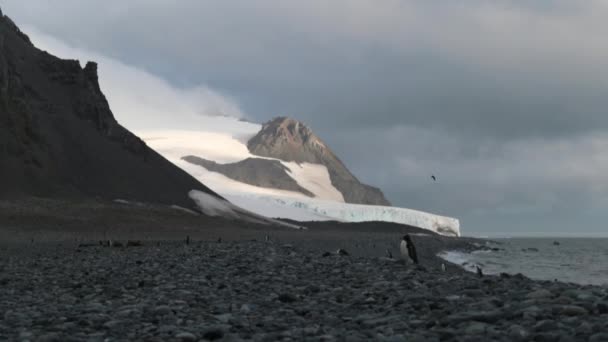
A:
x,y
292,141
11,24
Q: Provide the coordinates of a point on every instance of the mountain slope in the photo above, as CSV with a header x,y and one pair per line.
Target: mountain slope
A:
x,y
222,144
59,138
266,173
290,140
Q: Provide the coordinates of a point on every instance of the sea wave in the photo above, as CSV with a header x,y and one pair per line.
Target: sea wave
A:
x,y
462,259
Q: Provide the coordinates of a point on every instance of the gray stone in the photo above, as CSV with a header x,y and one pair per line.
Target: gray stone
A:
x,y
517,332
599,337
246,308
380,320
224,318
602,308
546,337
480,316
415,338
545,325
186,337
539,294
213,333
585,328
162,310
50,337
287,298
572,310
113,324
476,328
311,331
25,335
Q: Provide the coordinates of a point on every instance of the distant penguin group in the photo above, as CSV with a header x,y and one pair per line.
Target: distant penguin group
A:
x,y
408,250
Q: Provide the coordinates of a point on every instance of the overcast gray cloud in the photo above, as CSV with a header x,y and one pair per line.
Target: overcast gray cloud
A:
x,y
503,100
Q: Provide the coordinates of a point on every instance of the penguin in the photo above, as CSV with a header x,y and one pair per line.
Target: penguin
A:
x,y
267,238
342,252
187,239
408,250
443,267
479,271
389,254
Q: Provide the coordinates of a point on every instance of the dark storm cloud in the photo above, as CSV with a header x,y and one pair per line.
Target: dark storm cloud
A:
x,y
497,69
505,101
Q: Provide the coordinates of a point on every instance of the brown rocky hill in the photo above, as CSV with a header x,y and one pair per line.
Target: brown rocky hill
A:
x,y
59,138
290,140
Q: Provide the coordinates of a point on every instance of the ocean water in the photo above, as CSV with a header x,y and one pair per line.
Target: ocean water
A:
x,y
574,260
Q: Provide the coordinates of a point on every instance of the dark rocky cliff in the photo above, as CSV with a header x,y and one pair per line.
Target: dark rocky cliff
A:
x,y
59,138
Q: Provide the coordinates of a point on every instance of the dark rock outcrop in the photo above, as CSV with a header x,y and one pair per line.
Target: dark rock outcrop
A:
x,y
59,138
260,172
290,140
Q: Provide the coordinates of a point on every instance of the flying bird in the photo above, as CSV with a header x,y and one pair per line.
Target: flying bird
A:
x,y
434,178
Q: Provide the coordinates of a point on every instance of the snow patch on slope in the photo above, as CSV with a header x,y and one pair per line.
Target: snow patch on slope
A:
x,y
224,185
314,178
228,147
213,206
221,148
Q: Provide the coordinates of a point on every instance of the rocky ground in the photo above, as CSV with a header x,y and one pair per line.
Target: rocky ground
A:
x,y
275,290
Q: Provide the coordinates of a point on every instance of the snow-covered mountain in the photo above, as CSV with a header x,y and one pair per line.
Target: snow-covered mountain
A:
x,y
292,141
59,139
281,170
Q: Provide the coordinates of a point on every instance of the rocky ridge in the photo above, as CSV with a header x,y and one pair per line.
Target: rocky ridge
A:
x,y
290,140
260,172
59,138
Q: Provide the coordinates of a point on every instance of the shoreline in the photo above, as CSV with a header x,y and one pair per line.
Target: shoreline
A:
x,y
575,261
63,284
276,290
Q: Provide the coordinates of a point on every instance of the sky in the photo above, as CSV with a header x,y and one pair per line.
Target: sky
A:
x,y
502,101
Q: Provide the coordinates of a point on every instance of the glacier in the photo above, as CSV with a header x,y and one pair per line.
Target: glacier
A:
x,y
303,209
224,141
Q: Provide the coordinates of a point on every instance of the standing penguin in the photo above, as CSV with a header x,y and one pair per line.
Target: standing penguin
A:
x,y
479,271
408,250
389,254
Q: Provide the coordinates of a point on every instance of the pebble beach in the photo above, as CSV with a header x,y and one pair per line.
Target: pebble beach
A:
x,y
259,290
